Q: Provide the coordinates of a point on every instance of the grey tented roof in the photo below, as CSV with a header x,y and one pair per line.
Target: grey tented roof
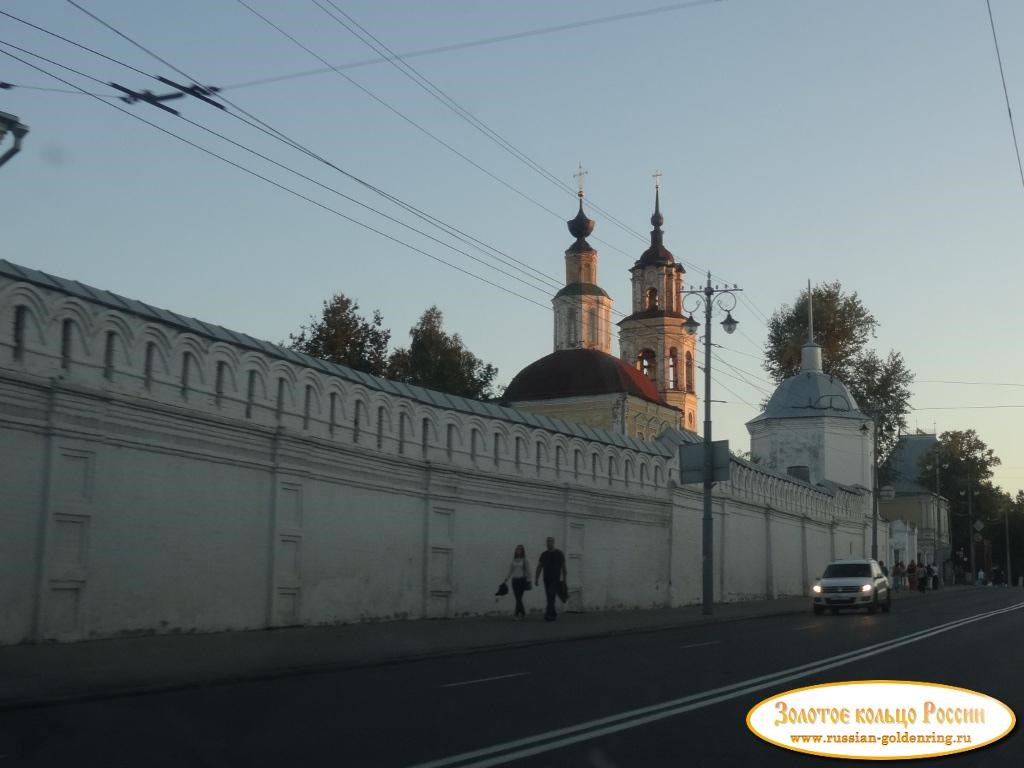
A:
x,y
420,394
906,462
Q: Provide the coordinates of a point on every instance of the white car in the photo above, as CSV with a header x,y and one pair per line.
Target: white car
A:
x,y
852,584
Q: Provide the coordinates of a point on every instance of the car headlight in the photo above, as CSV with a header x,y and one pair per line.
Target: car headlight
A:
x,y
816,588
866,588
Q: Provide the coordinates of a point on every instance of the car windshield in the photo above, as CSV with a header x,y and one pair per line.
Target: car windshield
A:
x,y
842,570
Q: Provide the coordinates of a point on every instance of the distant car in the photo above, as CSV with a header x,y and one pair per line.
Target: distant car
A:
x,y
852,584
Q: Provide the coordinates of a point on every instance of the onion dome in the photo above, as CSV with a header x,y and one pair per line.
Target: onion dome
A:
x,y
580,227
579,373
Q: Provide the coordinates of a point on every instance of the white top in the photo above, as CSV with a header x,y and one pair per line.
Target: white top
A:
x,y
518,569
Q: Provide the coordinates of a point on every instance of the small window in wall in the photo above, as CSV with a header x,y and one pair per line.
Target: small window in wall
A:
x,y
186,373
280,397
474,444
380,427
690,421
689,373
559,460
65,344
20,313
307,403
538,450
673,369
449,440
594,331
519,451
651,299
334,412
593,467
647,363
108,356
403,418
150,359
357,421
497,448
250,394
219,383
577,460
425,436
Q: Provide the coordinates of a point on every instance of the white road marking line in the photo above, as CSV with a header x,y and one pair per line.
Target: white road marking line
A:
x,y
484,680
806,626
698,645
500,754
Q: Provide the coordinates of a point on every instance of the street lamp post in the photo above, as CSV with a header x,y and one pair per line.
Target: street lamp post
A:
x,y
970,526
1009,570
725,298
938,505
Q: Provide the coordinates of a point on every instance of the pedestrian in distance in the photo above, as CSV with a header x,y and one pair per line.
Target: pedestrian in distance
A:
x,y
552,563
519,575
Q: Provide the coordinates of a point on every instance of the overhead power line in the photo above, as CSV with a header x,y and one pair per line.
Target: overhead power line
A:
x,y
1006,95
280,186
434,221
476,43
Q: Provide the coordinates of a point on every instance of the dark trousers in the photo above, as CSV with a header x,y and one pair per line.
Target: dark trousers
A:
x,y
518,587
550,592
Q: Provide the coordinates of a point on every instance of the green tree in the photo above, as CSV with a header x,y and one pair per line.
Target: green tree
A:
x,y
437,360
843,326
966,466
341,335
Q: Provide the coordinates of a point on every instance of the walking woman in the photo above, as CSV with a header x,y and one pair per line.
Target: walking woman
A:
x,y
519,572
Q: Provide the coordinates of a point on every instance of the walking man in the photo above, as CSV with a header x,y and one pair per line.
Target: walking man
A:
x,y
552,563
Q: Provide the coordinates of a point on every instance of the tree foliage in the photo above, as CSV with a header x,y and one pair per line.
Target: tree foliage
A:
x,y
843,326
966,465
341,335
437,360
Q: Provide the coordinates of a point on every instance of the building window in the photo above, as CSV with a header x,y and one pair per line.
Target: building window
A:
x,y
424,436
108,356
306,406
647,363
186,373
65,344
673,369
19,331
148,373
334,412
380,427
218,386
689,373
651,299
593,327
250,394
280,397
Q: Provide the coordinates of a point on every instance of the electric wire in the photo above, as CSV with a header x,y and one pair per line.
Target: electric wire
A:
x,y
413,123
281,186
1006,95
449,229
480,42
437,93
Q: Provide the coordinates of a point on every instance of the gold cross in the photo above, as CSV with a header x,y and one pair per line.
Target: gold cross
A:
x,y
657,179
579,177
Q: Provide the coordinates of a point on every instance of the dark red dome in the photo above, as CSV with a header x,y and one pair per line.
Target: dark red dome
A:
x,y
579,373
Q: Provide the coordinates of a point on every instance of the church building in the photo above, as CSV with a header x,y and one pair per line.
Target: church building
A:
x,y
650,388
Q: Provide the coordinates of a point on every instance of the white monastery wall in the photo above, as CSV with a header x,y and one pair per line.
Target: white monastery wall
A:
x,y
161,475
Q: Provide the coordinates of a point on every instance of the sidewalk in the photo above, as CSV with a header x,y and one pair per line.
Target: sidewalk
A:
x,y
54,672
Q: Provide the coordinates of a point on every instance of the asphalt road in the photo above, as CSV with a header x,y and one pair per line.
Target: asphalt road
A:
x,y
665,698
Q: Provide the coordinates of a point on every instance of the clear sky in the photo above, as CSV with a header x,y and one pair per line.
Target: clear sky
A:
x,y
866,142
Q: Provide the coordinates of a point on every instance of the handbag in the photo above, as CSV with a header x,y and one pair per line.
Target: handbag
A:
x,y
526,579
563,591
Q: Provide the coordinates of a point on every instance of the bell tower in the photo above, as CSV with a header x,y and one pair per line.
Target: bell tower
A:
x,y
652,337
583,311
